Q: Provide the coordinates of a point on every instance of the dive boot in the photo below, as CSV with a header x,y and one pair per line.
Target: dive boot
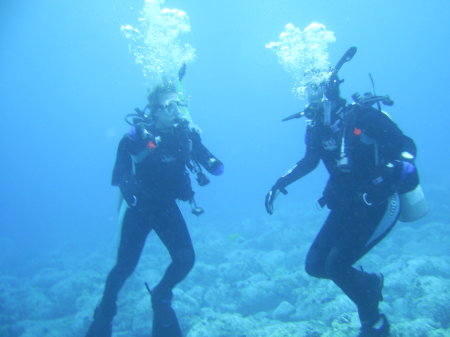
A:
x,y
379,329
368,309
375,287
101,326
165,321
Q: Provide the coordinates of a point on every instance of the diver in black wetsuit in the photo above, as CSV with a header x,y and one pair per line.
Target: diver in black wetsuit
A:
x,y
151,172
369,161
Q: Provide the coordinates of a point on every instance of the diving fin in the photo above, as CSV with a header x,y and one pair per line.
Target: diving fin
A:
x,y
165,321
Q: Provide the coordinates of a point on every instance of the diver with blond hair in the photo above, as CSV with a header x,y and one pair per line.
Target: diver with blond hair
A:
x,y
152,172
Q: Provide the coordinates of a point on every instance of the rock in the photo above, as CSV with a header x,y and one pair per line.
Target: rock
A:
x,y
284,311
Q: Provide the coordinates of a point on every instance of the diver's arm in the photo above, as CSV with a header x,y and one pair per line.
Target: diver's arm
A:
x,y
395,145
309,162
398,153
302,168
123,173
123,164
201,154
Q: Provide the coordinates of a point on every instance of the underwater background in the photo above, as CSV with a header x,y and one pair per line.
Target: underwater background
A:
x,y
67,79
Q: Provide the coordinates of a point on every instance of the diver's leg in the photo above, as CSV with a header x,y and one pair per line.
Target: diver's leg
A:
x,y
134,232
322,246
172,230
368,225
345,237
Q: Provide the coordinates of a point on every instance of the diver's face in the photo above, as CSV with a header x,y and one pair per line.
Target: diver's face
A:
x,y
314,93
168,112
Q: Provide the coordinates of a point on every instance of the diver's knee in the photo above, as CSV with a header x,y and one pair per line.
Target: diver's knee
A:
x,y
315,266
314,269
334,266
185,260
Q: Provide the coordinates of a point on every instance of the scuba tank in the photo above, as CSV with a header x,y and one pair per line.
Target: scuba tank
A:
x,y
413,205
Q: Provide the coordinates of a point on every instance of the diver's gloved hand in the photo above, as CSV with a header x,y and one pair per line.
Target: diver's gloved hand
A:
x,y
141,135
383,184
129,188
406,169
405,175
218,169
396,176
396,171
214,166
136,132
272,195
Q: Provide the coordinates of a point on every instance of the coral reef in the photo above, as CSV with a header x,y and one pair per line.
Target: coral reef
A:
x,y
246,283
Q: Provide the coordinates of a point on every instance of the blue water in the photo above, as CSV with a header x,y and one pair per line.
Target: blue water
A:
x,y
67,79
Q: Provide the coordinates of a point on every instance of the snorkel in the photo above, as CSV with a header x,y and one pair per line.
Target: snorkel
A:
x,y
334,82
332,94
317,105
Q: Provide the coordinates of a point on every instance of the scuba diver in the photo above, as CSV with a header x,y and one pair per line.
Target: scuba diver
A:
x,y
372,177
151,171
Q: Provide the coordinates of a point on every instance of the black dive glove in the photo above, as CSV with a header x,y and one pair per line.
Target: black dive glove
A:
x,y
272,195
129,188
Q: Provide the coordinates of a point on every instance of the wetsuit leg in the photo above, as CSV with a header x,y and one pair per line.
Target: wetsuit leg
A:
x,y
348,234
172,230
135,229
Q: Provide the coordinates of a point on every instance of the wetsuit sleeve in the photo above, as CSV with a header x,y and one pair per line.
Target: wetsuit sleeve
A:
x,y
307,164
392,141
203,156
395,170
123,166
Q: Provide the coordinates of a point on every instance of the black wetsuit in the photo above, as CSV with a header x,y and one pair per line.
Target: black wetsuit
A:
x,y
362,210
155,172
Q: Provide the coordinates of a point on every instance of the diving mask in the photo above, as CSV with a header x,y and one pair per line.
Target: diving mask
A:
x,y
172,107
314,93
